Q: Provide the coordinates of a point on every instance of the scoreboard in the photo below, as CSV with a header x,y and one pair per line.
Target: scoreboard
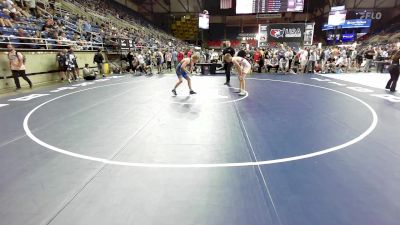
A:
x,y
268,6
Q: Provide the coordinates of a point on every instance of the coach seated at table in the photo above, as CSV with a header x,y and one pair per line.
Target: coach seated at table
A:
x,y
88,74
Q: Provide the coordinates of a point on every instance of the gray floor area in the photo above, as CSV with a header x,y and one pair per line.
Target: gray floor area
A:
x,y
136,120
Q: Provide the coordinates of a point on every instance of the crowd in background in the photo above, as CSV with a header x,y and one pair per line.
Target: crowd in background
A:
x,y
27,19
156,50
333,59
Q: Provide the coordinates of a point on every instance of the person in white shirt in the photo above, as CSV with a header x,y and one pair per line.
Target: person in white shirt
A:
x,y
303,60
168,58
283,65
353,58
88,74
141,62
312,60
341,65
273,63
289,56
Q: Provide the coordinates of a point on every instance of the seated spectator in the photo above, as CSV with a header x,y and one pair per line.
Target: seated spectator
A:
x,y
8,6
88,74
273,64
283,65
87,27
5,22
5,40
64,40
341,65
49,24
330,65
32,8
23,35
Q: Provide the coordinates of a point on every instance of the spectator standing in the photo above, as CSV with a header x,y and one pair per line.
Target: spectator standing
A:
x,y
261,63
181,55
70,63
359,60
369,56
303,60
130,57
75,61
256,56
289,56
141,62
61,61
98,59
168,58
353,59
17,66
312,60
159,59
175,58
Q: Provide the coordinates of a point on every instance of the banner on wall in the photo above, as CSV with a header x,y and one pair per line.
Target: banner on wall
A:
x,y
286,32
308,34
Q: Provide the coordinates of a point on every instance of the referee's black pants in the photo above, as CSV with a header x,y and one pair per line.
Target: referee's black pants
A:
x,y
227,67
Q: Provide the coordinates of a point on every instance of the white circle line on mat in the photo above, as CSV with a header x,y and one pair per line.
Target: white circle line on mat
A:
x,y
206,165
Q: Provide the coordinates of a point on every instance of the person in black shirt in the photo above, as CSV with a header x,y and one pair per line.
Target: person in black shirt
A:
x,y
369,56
261,64
98,58
228,65
394,72
130,57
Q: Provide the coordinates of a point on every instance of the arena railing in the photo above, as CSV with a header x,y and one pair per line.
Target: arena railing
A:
x,y
70,26
48,43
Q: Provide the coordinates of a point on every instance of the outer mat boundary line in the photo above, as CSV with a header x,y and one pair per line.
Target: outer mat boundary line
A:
x,y
208,165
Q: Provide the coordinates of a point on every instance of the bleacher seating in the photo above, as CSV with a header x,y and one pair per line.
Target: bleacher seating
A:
x,y
104,21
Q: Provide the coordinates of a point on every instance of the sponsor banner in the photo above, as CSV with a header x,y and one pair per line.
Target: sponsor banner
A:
x,y
309,34
285,32
349,24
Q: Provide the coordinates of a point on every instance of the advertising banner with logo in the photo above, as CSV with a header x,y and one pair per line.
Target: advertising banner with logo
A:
x,y
350,24
286,32
308,34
